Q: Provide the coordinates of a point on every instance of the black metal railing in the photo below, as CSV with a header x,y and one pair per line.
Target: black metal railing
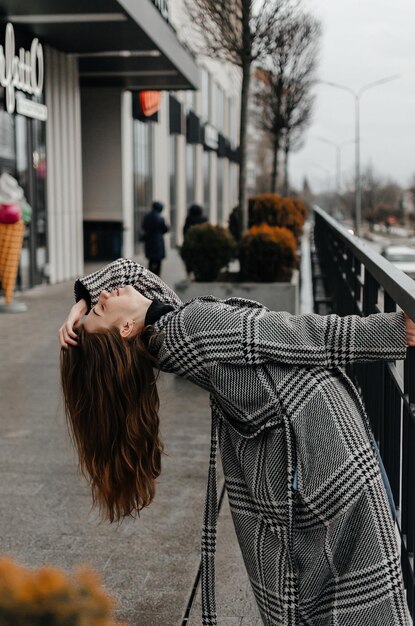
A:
x,y
351,278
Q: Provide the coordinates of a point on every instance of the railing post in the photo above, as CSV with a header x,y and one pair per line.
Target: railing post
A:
x,y
408,469
371,374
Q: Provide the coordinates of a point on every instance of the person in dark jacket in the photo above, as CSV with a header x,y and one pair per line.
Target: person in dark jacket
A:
x,y
194,216
154,227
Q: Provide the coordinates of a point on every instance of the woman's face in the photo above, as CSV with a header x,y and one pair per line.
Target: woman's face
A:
x,y
113,309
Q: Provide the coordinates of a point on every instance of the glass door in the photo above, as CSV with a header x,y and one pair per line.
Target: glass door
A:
x,y
31,174
142,177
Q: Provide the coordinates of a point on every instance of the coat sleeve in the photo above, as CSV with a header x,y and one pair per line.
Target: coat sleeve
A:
x,y
223,333
120,273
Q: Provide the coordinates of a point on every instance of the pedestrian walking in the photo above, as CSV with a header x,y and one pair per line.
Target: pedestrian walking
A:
x,y
154,228
306,491
194,216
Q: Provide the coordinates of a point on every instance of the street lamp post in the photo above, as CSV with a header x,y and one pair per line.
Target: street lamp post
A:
x,y
338,150
328,172
357,96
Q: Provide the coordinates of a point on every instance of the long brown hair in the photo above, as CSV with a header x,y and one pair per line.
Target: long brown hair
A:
x,y
111,405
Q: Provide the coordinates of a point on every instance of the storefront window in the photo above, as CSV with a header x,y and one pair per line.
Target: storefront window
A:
x,y
7,139
220,191
190,174
31,174
142,177
205,94
220,97
233,121
39,219
23,155
189,100
233,182
206,182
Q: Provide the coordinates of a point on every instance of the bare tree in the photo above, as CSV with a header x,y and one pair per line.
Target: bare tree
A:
x,y
296,122
381,197
411,184
271,85
237,31
283,93
297,102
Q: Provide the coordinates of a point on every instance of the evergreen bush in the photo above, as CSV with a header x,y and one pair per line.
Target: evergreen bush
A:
x,y
49,597
271,209
206,250
267,254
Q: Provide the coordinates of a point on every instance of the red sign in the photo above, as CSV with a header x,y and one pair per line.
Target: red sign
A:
x,y
150,102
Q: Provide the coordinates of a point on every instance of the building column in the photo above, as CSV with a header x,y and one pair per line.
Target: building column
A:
x,y
160,157
226,201
180,187
64,178
213,208
127,176
160,161
199,175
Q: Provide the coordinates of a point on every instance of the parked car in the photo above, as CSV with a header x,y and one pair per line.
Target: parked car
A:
x,y
403,257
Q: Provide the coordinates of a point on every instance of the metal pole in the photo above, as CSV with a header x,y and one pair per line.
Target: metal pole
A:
x,y
357,95
338,168
358,188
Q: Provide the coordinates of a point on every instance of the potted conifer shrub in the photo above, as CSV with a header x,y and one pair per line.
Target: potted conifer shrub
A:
x,y
267,253
49,597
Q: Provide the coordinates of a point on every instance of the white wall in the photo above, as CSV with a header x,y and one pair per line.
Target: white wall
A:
x,y
64,162
101,153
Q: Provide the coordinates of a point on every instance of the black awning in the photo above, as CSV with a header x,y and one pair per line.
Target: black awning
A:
x,y
118,42
193,130
233,154
222,146
176,116
228,149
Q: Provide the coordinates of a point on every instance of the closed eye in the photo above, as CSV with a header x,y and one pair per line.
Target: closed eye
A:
x,y
94,310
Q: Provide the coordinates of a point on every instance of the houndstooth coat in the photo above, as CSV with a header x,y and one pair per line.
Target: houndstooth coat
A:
x,y
319,549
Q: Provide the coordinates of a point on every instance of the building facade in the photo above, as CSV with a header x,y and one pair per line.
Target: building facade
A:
x,y
127,114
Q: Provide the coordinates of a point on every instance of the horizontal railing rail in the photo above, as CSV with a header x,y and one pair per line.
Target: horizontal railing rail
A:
x,y
351,278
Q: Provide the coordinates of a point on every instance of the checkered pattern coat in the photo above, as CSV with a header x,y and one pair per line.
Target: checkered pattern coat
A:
x,y
323,553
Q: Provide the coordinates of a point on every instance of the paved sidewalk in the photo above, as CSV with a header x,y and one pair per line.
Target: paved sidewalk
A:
x,y
149,564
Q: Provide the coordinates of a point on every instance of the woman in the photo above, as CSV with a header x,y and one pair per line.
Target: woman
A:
x,y
154,228
305,489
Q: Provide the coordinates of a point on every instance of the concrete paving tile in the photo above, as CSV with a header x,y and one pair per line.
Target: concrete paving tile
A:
x,y
68,559
12,483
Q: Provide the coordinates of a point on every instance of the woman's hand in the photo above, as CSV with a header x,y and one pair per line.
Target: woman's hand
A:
x,y
410,330
67,335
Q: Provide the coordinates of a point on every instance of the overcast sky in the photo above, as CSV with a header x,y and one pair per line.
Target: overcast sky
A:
x,y
362,41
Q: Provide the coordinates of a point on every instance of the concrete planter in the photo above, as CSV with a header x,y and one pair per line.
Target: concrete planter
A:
x,y
276,296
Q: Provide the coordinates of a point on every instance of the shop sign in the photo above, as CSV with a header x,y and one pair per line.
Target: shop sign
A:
x,y
29,108
150,102
211,137
163,7
24,71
